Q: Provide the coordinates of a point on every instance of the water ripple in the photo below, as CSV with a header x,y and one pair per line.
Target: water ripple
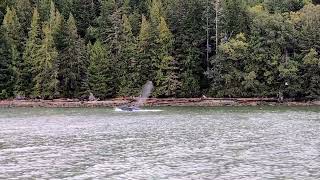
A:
x,y
178,143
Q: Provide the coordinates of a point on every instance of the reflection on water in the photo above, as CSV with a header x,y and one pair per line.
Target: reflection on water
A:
x,y
177,143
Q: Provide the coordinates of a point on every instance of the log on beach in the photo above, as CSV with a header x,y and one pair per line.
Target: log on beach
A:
x,y
210,102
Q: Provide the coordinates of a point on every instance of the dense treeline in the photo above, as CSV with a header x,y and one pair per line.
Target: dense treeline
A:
x,y
70,48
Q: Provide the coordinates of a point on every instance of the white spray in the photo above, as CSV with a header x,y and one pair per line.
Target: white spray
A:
x,y
145,93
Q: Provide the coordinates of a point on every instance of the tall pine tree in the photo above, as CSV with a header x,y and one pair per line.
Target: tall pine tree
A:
x,y
167,80
144,63
46,79
100,82
129,79
6,72
25,84
73,64
14,35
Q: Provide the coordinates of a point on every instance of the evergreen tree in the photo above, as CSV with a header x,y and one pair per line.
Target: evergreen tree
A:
x,y
46,70
6,72
73,64
13,33
156,12
65,7
100,82
105,28
167,82
24,13
129,79
13,30
311,74
187,24
1,16
235,17
144,63
84,13
2,10
44,9
25,84
135,20
110,32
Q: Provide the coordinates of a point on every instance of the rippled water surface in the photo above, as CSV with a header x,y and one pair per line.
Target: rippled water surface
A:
x,y
177,143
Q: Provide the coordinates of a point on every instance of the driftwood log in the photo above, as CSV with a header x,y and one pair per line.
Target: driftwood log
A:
x,y
210,102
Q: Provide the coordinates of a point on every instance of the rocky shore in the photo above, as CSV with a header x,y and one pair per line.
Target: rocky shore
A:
x,y
208,102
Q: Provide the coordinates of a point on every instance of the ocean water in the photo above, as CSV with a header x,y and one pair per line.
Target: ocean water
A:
x,y
175,143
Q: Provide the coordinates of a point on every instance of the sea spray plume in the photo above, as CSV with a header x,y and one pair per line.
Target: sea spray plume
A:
x,y
145,93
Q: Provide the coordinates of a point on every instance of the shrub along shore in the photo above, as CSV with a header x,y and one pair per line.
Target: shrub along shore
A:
x,y
194,102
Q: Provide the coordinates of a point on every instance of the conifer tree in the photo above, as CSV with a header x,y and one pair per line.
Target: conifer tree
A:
x,y
84,13
13,30
25,84
73,64
155,17
46,70
2,12
156,12
56,23
65,7
52,16
135,20
6,72
129,78
24,13
100,82
311,76
166,79
235,17
44,9
13,34
187,24
144,52
105,28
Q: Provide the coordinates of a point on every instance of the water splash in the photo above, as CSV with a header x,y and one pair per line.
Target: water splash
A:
x,y
145,93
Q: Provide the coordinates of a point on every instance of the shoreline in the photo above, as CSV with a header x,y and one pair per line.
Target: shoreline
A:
x,y
155,102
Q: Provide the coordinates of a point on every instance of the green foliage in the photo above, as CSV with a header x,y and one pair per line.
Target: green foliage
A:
x,y
144,53
129,82
14,34
46,78
44,9
188,27
24,83
308,23
73,68
257,48
230,67
235,17
100,82
284,5
166,80
6,72
84,12
311,76
24,13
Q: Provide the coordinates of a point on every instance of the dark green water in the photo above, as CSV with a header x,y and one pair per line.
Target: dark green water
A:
x,y
177,143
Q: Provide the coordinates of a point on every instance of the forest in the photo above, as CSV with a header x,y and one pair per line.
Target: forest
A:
x,y
187,48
